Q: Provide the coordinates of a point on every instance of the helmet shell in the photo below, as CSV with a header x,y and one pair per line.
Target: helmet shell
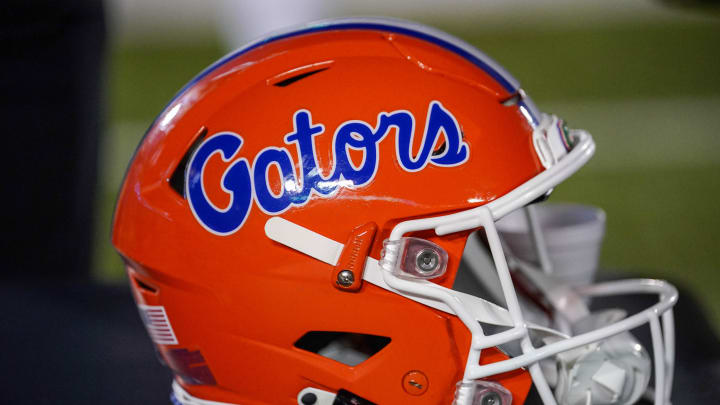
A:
x,y
242,300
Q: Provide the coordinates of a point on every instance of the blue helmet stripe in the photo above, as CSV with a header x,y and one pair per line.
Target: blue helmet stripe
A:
x,y
385,24
500,77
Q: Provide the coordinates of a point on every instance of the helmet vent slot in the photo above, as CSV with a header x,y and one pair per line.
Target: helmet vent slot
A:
x,y
348,348
297,77
512,100
144,286
177,178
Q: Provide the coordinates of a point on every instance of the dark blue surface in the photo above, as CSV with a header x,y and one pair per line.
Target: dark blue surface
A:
x,y
76,343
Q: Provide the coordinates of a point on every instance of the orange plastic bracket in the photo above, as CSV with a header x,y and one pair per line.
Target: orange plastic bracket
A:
x,y
352,258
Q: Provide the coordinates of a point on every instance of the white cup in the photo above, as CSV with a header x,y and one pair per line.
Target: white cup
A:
x,y
573,235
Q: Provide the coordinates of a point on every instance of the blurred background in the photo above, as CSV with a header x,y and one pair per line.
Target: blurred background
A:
x,y
642,76
81,81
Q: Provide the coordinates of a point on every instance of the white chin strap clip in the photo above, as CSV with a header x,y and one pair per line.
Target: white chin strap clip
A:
x,y
552,140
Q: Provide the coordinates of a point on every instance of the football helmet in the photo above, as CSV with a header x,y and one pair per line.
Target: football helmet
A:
x,y
293,223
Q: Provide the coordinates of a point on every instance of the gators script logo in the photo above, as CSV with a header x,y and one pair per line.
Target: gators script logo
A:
x,y
246,182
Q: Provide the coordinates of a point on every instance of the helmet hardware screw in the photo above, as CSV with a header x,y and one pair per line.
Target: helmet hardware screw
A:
x,y
491,398
345,278
415,382
427,260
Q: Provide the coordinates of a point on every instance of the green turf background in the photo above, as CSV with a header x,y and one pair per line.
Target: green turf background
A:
x,y
648,91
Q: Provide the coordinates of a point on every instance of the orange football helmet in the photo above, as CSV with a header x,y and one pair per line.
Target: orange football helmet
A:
x,y
293,222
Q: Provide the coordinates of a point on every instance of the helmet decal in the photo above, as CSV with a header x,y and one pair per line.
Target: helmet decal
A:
x,y
157,324
245,184
235,181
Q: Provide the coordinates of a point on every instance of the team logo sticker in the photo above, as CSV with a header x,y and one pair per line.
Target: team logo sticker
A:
x,y
248,182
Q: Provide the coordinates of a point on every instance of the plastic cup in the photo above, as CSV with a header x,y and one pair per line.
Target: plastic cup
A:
x,y
573,235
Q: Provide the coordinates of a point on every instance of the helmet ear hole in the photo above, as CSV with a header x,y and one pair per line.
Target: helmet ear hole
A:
x,y
347,348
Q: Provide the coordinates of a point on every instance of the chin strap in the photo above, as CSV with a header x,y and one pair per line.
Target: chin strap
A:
x,y
328,251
